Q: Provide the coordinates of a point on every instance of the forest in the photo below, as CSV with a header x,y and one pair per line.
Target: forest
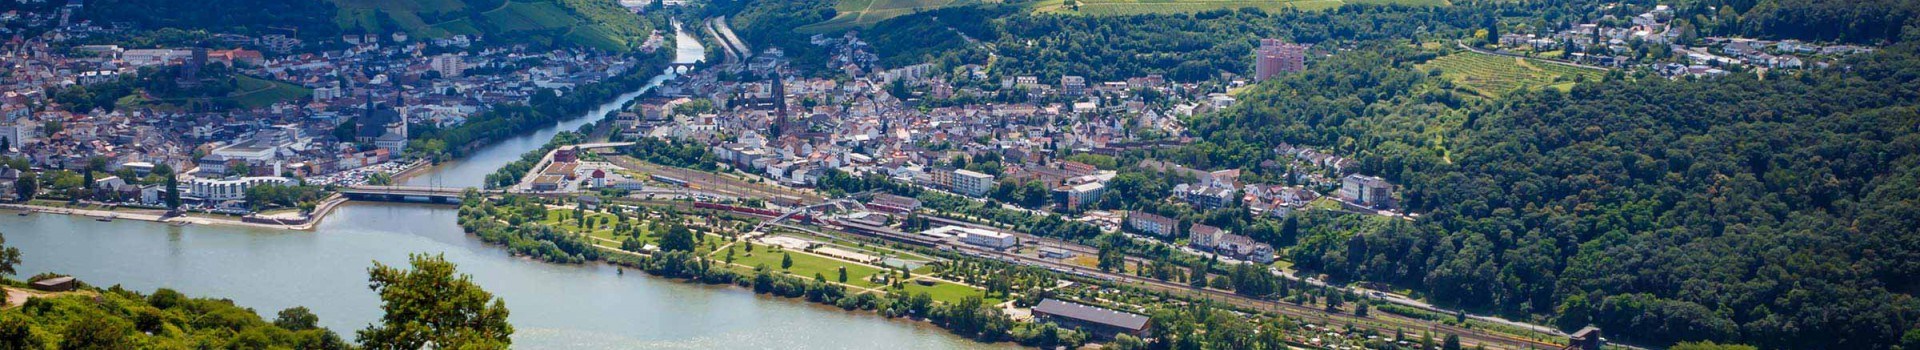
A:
x,y
1776,212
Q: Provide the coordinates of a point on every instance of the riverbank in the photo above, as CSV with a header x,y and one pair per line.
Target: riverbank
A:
x,y
311,220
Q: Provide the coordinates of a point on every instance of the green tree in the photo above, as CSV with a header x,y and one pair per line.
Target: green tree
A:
x,y
297,318
677,239
434,304
1452,342
786,260
843,274
173,186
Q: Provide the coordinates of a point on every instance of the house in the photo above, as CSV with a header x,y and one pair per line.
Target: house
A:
x,y
1101,322
8,178
1151,224
56,284
1205,196
1221,242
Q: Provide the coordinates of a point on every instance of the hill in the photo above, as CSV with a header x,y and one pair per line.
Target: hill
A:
x,y
1492,75
590,23
598,24
863,13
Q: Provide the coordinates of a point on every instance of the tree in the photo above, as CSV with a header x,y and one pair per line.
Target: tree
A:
x,y
434,304
17,333
1452,342
786,260
9,258
297,318
843,274
677,239
173,186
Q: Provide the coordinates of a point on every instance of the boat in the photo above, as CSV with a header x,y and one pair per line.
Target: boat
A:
x,y
23,213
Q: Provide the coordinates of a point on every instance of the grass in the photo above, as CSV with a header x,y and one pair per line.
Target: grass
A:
x,y
804,265
259,93
1139,7
1492,75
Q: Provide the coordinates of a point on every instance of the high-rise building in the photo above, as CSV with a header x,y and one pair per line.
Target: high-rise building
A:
x,y
1274,57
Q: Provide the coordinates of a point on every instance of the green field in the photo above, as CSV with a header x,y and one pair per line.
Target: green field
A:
x,y
1138,7
258,93
861,13
593,23
804,265
1492,76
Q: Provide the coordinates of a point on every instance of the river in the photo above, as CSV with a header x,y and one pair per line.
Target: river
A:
x,y
553,306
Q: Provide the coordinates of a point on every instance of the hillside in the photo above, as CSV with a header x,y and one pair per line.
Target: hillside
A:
x,y
1137,7
1776,212
598,24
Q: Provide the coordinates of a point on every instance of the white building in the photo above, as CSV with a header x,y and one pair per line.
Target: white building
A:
x,y
230,188
971,183
980,237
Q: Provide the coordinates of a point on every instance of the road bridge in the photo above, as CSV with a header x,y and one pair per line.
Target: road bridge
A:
x,y
444,195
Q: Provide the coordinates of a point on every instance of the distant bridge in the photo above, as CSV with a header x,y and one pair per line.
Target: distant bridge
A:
x,y
447,195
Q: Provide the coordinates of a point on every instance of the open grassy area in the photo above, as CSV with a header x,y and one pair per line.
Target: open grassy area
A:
x,y
1137,7
259,93
1492,75
804,265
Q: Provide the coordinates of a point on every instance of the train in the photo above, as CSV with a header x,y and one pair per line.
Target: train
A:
x,y
670,180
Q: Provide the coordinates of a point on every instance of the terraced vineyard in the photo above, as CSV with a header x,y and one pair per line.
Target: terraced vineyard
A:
x,y
1136,7
1492,76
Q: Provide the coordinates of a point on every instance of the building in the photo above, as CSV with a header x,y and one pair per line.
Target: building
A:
x,y
1055,253
1073,85
1152,224
1100,322
1072,197
448,65
894,204
980,237
971,183
1275,57
1221,242
1367,191
986,238
1205,196
230,188
1588,338
56,284
8,178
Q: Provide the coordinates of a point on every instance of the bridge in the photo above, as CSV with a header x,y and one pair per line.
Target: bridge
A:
x,y
682,68
444,195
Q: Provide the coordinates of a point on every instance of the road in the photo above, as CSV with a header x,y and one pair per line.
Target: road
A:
x,y
728,39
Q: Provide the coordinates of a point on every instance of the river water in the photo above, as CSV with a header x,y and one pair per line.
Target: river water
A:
x,y
553,306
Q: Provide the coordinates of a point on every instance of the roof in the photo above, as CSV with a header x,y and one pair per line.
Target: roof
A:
x,y
1091,314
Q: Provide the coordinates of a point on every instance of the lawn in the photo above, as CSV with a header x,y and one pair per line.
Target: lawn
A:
x,y
1137,7
945,292
1492,75
804,265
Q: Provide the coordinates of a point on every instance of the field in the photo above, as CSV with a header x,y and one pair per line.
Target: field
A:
x,y
1137,7
593,23
861,13
1492,76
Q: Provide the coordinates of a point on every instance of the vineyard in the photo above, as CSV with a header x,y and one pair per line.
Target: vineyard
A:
x,y
1492,76
861,13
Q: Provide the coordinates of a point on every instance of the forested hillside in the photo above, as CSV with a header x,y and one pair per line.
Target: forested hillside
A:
x,y
586,23
1778,212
